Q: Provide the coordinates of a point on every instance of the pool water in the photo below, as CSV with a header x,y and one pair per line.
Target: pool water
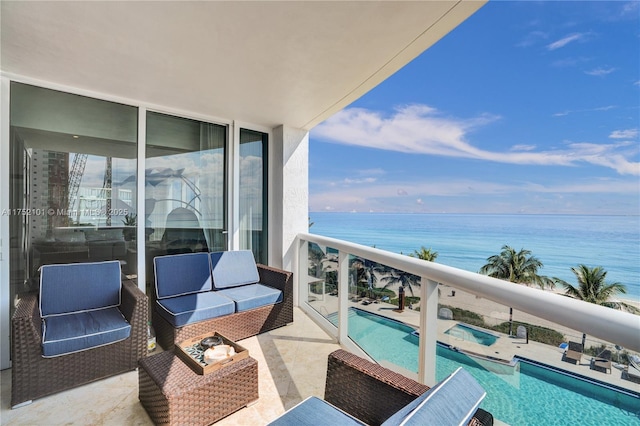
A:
x,y
526,395
464,332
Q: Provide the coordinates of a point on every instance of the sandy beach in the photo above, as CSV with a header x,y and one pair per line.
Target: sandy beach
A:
x,y
495,313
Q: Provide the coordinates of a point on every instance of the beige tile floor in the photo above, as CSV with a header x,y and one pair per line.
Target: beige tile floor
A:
x,y
292,363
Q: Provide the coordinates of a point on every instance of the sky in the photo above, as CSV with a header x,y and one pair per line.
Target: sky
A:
x,y
526,107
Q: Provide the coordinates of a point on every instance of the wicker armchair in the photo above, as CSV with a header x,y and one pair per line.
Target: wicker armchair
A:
x,y
237,325
33,376
373,393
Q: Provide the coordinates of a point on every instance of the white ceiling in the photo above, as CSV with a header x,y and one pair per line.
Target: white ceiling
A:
x,y
268,63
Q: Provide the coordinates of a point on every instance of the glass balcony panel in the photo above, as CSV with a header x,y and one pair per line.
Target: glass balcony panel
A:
x,y
528,365
322,281
384,313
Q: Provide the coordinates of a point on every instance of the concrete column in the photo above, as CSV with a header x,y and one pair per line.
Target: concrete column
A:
x,y
289,194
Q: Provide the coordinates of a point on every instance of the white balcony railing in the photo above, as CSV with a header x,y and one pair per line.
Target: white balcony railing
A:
x,y
610,325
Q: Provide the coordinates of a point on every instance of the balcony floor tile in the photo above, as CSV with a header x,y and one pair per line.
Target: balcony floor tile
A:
x,y
292,364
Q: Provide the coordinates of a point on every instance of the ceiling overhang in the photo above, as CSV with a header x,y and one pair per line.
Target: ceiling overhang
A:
x,y
267,63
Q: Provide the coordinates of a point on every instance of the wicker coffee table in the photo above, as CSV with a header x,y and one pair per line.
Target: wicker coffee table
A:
x,y
174,394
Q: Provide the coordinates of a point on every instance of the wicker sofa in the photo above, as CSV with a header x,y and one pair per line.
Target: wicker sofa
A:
x,y
42,366
371,394
213,307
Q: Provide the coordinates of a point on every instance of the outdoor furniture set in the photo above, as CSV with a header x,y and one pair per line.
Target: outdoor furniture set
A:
x,y
87,324
575,350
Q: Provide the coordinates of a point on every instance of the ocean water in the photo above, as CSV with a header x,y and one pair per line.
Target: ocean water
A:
x,y
465,241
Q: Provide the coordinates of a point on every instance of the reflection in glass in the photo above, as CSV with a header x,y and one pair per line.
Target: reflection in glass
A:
x,y
253,193
185,187
70,201
322,280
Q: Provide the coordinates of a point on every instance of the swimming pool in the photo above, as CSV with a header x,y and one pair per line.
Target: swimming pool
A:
x,y
530,394
465,332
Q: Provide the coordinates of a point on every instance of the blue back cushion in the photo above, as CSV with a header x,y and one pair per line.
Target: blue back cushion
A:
x,y
78,287
233,268
181,274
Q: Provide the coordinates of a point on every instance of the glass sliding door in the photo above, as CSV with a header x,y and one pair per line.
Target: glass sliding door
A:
x,y
72,182
185,189
253,194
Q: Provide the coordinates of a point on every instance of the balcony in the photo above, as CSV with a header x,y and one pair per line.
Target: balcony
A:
x,y
293,360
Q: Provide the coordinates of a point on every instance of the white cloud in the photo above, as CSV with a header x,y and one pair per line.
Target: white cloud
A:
x,y
369,172
419,129
532,38
358,181
566,40
565,113
599,72
630,8
624,134
569,62
523,147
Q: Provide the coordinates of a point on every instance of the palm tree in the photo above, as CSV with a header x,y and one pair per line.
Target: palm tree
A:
x,y
425,254
593,288
516,267
405,279
365,272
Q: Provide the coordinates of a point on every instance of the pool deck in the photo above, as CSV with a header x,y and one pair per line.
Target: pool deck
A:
x,y
505,348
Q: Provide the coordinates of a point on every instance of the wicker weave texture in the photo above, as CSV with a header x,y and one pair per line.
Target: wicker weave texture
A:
x,y
173,394
367,390
33,376
373,393
239,325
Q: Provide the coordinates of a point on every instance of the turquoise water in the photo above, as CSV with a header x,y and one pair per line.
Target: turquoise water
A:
x,y
465,241
531,396
470,334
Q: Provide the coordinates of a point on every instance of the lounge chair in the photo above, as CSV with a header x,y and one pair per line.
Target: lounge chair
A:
x,y
84,325
574,352
633,369
602,361
359,392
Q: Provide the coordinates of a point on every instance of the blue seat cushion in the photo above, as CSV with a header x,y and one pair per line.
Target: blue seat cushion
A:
x,y
181,274
65,334
252,296
452,401
233,268
312,412
79,287
191,308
